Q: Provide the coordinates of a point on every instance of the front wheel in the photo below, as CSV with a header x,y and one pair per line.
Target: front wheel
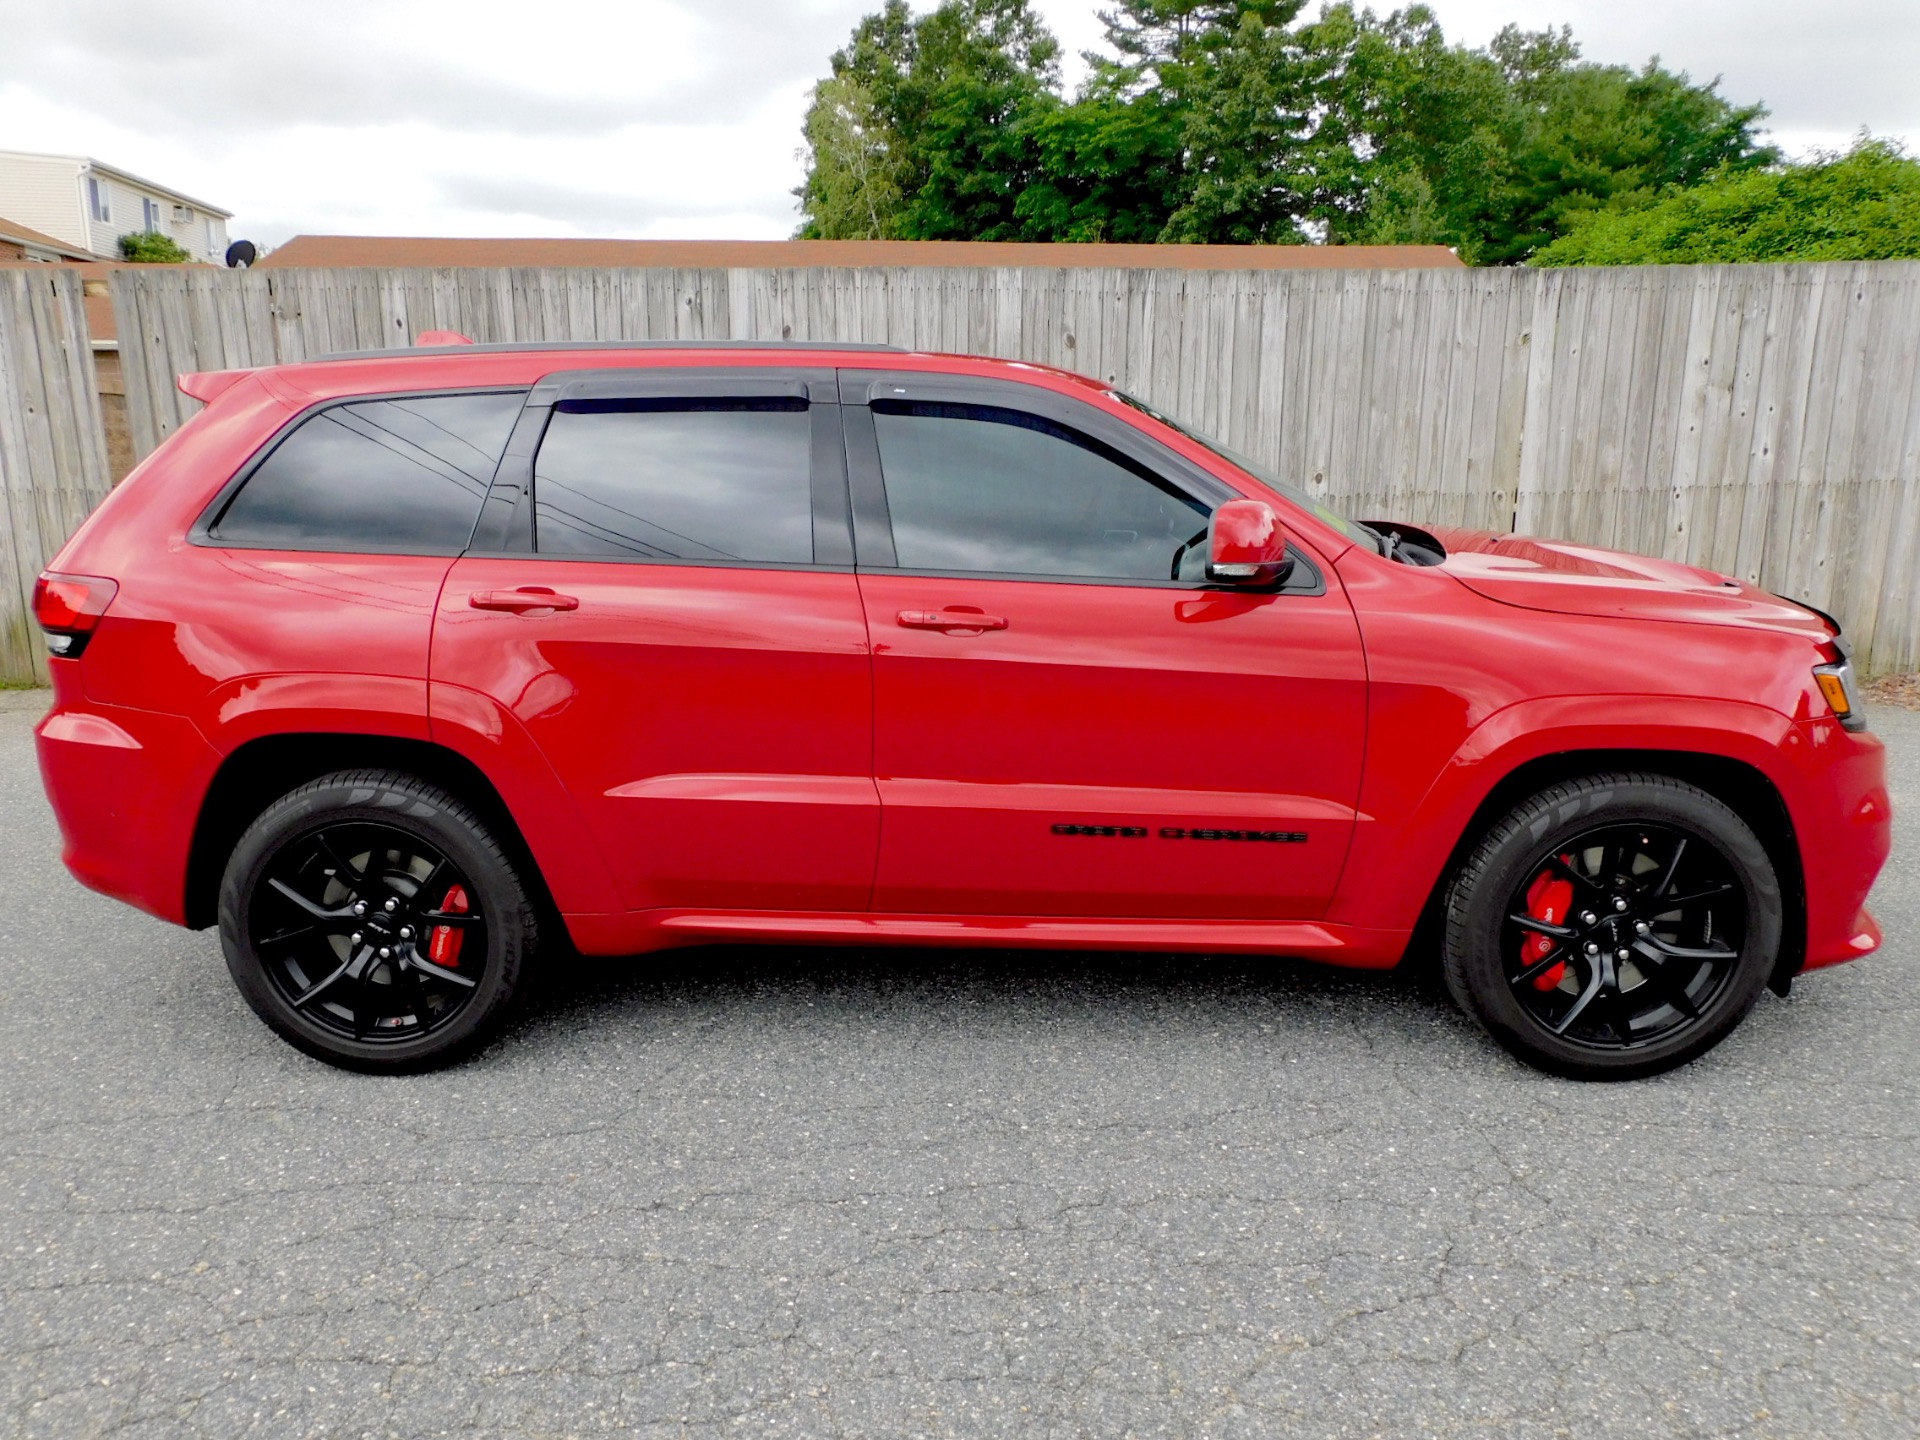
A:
x,y
374,922
1613,927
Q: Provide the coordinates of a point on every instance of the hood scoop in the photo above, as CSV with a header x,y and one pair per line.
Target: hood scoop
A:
x,y
1557,575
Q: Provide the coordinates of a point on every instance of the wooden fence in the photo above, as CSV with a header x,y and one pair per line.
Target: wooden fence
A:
x,y
1759,420
53,451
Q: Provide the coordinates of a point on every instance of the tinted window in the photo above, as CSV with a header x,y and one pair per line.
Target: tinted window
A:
x,y
977,488
677,480
392,475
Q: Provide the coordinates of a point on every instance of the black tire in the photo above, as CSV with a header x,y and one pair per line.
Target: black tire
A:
x,y
360,987
1684,944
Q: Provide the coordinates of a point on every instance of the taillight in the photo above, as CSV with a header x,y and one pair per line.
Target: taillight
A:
x,y
68,608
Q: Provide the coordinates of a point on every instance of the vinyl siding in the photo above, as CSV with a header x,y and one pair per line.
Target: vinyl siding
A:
x,y
126,200
42,192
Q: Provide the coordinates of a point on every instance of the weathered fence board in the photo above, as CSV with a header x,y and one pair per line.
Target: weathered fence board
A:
x,y
1761,420
53,452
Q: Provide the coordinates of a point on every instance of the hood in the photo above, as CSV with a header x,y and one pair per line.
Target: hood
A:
x,y
1586,580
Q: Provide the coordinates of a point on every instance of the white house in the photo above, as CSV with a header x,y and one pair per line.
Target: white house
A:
x,y
90,205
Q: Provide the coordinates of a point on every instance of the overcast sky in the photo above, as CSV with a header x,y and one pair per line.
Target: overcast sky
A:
x,y
678,118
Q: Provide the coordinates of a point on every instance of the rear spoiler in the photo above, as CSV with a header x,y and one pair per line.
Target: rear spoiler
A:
x,y
206,385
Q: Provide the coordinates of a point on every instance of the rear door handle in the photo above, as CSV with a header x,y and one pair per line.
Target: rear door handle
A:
x,y
952,618
519,602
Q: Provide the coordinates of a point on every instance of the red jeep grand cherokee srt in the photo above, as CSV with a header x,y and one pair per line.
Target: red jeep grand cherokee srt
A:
x,y
395,664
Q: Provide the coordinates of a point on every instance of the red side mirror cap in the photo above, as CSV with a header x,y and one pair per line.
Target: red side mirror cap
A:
x,y
1247,544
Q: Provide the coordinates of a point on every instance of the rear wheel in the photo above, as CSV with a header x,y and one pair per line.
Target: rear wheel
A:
x,y
374,921
1613,927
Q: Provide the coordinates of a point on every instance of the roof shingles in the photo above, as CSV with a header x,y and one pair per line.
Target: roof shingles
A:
x,y
345,251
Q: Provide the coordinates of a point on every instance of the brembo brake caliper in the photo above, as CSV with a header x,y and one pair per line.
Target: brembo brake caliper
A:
x,y
1549,898
443,947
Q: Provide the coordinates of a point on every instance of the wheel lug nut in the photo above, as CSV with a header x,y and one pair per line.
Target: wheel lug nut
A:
x,y
356,938
1623,954
360,907
392,903
1641,927
406,932
1619,902
386,954
1587,917
1592,949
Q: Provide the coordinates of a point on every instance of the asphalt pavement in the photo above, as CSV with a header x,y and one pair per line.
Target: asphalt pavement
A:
x,y
820,1193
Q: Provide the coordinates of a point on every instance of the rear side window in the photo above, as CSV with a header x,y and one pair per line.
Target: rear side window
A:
x,y
401,476
677,480
985,490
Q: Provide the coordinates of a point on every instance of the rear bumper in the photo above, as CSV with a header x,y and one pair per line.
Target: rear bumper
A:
x,y
1844,822
125,787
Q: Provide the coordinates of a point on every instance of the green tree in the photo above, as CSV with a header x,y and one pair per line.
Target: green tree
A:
x,y
1107,169
1491,151
1240,121
924,129
1863,205
852,191
1608,136
150,247
1265,155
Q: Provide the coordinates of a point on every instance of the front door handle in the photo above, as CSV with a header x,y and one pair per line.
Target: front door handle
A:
x,y
519,602
954,617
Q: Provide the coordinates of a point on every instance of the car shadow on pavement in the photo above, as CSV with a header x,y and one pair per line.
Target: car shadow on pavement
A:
x,y
991,988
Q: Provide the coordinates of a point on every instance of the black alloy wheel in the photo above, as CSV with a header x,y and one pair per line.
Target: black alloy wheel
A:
x,y
1614,927
1651,935
373,921
363,927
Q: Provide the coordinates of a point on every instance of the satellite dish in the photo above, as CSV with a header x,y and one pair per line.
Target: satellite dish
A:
x,y
241,255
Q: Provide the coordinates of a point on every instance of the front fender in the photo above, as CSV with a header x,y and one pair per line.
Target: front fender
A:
x,y
1405,834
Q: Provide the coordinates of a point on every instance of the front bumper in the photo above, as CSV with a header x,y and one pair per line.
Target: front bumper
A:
x,y
1843,820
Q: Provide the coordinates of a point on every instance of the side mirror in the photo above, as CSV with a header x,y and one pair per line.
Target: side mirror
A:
x,y
1247,544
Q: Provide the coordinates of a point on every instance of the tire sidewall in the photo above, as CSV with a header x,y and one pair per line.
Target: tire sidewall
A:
x,y
1476,968
427,816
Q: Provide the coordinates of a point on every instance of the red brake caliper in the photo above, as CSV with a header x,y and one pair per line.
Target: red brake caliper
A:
x,y
1548,898
443,946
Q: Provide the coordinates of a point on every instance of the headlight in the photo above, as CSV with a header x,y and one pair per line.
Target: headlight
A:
x,y
1838,684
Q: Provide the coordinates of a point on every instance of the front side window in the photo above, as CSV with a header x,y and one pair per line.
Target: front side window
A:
x,y
981,489
677,480
1285,489
398,476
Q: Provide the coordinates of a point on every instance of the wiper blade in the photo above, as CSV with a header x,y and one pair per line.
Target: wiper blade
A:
x,y
1387,541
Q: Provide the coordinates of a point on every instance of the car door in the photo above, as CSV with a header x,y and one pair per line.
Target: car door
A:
x,y
661,601
1068,719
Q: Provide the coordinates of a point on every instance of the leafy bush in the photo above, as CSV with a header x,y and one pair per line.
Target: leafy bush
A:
x,y
1863,205
147,247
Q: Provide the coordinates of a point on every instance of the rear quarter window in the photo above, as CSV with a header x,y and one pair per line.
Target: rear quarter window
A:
x,y
404,475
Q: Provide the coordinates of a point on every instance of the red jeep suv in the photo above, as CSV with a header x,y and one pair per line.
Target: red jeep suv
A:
x,y
398,666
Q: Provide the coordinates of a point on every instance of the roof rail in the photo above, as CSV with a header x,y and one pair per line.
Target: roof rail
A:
x,y
513,346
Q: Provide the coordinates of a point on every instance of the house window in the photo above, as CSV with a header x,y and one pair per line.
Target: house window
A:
x,y
98,204
149,214
213,238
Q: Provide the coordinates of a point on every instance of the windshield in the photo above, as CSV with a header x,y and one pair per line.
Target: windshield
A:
x,y
1286,489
